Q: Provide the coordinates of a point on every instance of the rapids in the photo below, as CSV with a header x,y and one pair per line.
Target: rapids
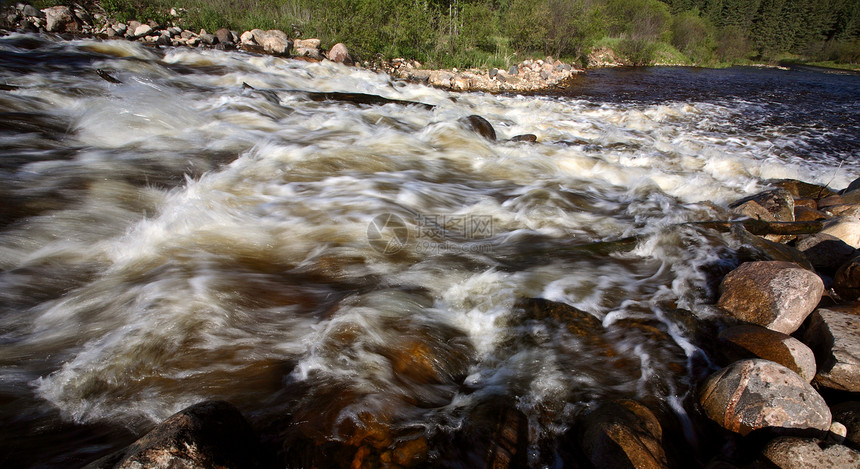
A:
x,y
178,236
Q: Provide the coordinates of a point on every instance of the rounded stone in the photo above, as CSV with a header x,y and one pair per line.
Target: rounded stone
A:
x,y
754,394
774,346
774,294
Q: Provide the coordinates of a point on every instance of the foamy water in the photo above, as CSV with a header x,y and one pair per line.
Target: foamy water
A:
x,y
179,236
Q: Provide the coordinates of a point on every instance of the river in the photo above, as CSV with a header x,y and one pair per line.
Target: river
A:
x,y
194,226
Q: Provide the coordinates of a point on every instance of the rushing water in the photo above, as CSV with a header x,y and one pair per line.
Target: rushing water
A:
x,y
180,236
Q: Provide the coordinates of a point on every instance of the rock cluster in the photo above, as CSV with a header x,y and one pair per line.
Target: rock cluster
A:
x,y
800,328
529,75
79,21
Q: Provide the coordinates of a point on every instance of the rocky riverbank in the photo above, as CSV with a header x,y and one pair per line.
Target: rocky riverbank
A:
x,y
530,75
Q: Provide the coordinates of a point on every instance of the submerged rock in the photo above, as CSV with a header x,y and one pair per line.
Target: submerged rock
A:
x,y
209,434
623,434
773,294
834,336
755,394
480,126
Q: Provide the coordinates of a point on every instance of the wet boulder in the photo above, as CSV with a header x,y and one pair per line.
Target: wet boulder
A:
x,y
788,452
530,138
60,19
751,341
276,45
622,434
480,126
756,394
495,435
777,295
826,252
834,335
803,213
772,205
208,434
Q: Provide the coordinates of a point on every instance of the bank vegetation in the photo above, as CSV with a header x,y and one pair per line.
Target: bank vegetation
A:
x,y
496,33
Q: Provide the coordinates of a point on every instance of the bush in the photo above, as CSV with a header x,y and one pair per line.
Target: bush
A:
x,y
732,44
693,35
637,51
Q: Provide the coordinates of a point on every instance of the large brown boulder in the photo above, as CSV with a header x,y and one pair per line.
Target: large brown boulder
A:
x,y
775,346
754,394
210,434
788,452
834,336
777,295
623,434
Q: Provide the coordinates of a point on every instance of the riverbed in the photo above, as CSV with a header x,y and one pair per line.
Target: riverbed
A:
x,y
191,224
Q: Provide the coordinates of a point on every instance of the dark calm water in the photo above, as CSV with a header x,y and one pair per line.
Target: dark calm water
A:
x,y
821,106
172,235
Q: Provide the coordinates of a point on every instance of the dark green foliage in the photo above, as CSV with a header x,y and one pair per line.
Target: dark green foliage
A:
x,y
694,36
466,33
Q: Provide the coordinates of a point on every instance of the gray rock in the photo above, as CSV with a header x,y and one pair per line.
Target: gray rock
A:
x,y
834,335
174,31
623,434
120,28
208,434
276,45
208,39
514,70
493,72
340,54
247,38
777,295
754,394
224,35
307,43
31,11
142,30
789,452
310,53
770,345
59,19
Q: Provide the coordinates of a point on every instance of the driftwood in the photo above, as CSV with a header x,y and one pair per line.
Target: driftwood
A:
x,y
761,227
743,229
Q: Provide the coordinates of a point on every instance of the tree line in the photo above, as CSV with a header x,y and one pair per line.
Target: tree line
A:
x,y
467,33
